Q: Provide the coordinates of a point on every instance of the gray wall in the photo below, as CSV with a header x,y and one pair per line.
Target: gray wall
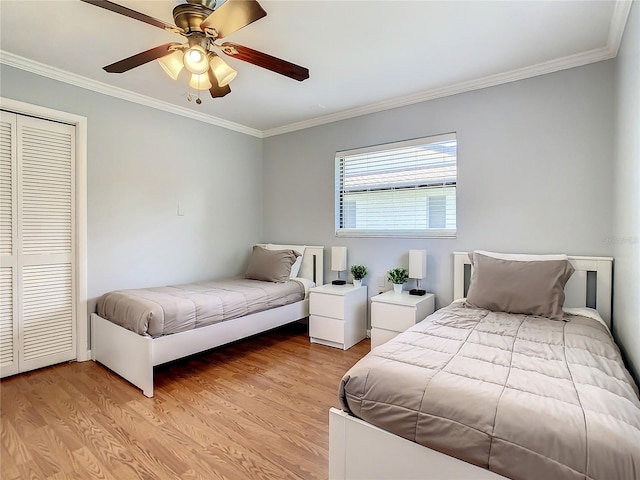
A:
x,y
626,195
534,173
141,163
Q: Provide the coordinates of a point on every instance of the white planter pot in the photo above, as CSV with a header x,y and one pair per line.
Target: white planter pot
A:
x,y
397,287
357,283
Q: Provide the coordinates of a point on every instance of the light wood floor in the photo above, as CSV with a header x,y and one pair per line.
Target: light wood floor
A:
x,y
256,409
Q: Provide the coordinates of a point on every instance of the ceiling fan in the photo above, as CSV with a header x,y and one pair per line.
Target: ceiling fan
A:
x,y
202,24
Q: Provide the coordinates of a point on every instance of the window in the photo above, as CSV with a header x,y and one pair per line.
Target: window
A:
x,y
403,189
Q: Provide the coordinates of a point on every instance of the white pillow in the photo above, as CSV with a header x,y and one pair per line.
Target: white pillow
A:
x,y
295,268
308,284
518,257
585,312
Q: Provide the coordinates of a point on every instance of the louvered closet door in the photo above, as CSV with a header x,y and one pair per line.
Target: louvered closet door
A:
x,y
43,265
8,244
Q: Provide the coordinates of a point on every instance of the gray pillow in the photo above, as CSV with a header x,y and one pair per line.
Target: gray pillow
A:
x,y
270,265
527,287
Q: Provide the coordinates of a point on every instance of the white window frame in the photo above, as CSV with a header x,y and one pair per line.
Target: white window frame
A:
x,y
442,186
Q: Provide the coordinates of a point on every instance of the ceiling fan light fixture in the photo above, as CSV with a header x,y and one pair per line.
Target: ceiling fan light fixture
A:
x,y
202,24
172,64
200,82
221,69
196,60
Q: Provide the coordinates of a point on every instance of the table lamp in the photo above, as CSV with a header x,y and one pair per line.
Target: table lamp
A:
x,y
338,263
417,269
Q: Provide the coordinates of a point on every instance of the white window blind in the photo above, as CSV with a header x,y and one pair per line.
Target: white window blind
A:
x,y
403,189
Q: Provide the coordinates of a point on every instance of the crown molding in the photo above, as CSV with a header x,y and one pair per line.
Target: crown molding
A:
x,y
54,73
621,11
577,60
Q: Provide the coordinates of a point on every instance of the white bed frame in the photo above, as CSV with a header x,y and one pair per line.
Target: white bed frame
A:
x,y
133,356
359,450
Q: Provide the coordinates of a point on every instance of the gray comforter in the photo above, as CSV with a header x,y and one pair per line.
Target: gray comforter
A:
x,y
165,310
523,396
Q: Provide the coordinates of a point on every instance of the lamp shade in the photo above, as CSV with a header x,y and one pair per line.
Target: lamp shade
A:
x,y
200,82
338,259
417,264
223,72
172,64
196,60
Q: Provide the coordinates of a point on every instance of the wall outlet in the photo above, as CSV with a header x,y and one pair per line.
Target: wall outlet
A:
x,y
381,281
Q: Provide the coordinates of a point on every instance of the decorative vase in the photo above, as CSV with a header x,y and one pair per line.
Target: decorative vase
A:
x,y
397,287
357,283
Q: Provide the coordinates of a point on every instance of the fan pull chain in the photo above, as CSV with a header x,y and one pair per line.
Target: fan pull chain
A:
x,y
198,101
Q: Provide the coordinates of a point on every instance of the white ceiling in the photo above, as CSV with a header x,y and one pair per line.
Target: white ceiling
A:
x,y
363,56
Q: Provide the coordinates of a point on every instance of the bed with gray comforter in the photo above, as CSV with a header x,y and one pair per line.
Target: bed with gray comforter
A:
x,y
166,310
524,396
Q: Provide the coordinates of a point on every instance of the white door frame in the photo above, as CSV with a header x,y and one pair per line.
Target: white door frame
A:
x,y
80,122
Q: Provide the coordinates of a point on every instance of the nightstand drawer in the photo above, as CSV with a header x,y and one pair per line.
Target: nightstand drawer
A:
x,y
327,305
326,328
380,336
392,317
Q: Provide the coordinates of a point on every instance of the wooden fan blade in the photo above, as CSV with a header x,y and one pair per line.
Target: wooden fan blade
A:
x,y
232,16
127,12
216,90
140,59
263,60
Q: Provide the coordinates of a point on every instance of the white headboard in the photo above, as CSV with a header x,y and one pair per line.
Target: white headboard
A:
x,y
312,263
582,290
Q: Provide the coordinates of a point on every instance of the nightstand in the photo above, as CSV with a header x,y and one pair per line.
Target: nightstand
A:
x,y
392,313
338,315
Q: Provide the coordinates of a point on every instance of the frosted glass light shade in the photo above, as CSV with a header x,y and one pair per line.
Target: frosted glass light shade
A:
x,y
200,82
223,72
172,64
417,264
338,259
196,60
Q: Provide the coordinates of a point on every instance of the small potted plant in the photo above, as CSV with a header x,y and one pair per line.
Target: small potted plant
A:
x,y
398,276
358,272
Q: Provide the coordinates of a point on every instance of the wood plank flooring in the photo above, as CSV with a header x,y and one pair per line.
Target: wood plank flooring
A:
x,y
257,409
